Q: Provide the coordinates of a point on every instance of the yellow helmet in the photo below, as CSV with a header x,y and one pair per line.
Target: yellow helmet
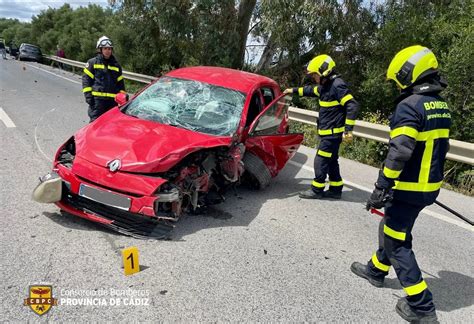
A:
x,y
410,64
321,64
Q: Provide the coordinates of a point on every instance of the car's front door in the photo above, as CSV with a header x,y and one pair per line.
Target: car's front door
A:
x,y
269,138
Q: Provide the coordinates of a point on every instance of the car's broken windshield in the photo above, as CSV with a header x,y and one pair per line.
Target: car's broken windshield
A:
x,y
190,104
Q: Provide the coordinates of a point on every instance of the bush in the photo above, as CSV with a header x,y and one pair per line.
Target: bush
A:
x,y
365,151
459,177
311,138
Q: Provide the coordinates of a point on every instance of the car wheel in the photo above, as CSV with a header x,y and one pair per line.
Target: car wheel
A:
x,y
257,174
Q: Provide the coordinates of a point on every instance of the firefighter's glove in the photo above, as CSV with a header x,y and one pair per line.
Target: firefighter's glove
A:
x,y
288,91
347,137
379,198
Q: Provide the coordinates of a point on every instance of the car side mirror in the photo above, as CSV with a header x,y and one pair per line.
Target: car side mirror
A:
x,y
121,98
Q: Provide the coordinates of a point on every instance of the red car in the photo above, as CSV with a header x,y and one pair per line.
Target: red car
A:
x,y
173,148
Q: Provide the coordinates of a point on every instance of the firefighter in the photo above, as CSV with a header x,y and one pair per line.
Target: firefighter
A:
x,y
102,79
337,114
411,177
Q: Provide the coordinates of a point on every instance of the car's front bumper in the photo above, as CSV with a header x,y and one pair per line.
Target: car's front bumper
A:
x,y
125,222
138,220
30,57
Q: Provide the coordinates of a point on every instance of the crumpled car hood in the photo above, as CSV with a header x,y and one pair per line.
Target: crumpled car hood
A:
x,y
140,145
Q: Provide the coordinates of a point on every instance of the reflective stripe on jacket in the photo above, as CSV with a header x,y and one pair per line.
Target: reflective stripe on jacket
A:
x,y
419,142
338,108
102,78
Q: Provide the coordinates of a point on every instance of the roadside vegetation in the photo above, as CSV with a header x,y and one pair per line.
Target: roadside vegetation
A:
x,y
153,37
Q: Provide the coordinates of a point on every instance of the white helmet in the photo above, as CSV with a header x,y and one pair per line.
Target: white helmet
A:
x,y
104,41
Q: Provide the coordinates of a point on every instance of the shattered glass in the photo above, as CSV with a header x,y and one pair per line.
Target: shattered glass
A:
x,y
190,104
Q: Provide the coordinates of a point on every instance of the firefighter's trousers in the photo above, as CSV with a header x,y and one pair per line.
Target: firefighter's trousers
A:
x,y
326,163
100,107
395,249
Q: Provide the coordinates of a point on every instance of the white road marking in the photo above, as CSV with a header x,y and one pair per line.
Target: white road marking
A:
x,y
5,119
51,110
448,219
36,138
424,211
350,184
59,76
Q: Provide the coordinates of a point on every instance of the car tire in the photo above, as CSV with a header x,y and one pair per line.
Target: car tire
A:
x,y
257,174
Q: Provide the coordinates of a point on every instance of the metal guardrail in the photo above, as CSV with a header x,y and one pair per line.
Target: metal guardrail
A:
x,y
127,75
459,151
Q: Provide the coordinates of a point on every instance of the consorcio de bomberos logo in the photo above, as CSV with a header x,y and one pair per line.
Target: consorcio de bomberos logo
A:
x,y
40,299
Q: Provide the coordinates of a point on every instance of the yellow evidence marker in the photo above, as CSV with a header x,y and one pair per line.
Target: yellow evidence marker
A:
x,y
130,260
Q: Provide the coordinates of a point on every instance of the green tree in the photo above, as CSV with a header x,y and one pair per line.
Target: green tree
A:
x,y
76,31
296,31
165,34
12,31
450,36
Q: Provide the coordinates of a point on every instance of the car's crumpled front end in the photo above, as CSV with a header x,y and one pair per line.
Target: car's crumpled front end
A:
x,y
90,191
49,190
140,204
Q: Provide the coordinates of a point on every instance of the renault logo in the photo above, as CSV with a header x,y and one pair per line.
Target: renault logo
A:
x,y
114,165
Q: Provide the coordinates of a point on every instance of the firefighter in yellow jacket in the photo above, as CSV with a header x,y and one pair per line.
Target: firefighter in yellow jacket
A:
x,y
411,177
102,79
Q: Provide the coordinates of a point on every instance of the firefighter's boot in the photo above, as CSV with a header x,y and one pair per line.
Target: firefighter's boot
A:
x,y
311,194
332,194
362,271
412,316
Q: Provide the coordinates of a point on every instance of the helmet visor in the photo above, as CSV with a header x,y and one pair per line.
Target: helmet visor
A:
x,y
105,43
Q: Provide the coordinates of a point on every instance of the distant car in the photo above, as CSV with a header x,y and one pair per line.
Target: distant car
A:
x,y
30,52
173,148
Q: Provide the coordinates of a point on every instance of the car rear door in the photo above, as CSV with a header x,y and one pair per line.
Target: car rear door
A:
x,y
269,138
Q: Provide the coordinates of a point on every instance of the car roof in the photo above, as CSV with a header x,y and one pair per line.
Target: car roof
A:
x,y
25,44
223,77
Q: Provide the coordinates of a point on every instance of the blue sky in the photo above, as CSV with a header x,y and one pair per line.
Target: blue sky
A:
x,y
23,10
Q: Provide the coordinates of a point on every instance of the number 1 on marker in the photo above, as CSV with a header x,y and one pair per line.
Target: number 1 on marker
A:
x,y
130,261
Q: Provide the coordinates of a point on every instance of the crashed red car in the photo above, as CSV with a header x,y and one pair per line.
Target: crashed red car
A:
x,y
173,148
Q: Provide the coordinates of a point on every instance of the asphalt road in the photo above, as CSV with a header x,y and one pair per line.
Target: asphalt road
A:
x,y
259,256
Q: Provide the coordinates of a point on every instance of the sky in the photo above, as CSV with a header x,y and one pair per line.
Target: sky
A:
x,y
23,10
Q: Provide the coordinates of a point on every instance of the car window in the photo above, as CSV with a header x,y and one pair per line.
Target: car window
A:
x,y
33,49
255,107
189,104
268,95
269,122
